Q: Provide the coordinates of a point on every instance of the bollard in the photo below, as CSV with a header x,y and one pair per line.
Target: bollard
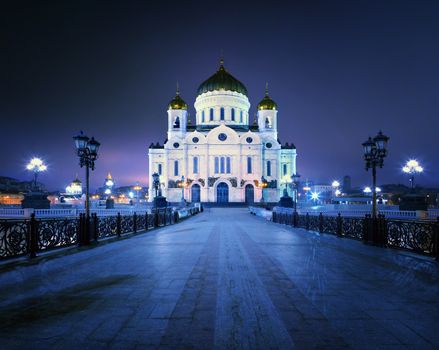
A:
x,y
339,225
33,237
118,225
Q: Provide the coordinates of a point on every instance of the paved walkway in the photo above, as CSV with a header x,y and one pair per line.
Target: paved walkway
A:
x,y
226,280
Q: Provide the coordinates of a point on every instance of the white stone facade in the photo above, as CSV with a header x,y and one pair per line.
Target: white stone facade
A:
x,y
222,157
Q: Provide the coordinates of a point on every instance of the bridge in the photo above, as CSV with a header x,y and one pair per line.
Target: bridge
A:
x,y
222,279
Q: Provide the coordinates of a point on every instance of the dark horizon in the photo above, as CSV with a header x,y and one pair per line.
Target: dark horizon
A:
x,y
339,73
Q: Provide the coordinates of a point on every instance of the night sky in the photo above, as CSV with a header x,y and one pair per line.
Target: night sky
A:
x,y
338,70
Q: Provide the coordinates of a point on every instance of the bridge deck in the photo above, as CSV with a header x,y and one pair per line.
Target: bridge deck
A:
x,y
223,279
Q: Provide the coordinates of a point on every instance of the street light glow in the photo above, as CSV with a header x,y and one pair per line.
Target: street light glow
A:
x,y
335,184
367,189
36,164
315,196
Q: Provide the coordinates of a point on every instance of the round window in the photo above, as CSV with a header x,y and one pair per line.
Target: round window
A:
x,y
249,140
195,139
222,137
176,145
268,145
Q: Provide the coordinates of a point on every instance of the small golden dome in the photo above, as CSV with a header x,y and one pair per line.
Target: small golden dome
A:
x,y
177,102
267,103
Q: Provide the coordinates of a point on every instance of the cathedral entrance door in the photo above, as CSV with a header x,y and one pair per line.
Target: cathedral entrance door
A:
x,y
195,193
249,194
222,193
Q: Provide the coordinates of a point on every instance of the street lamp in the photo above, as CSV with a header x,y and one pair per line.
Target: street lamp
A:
x,y
87,150
375,150
411,168
182,185
156,183
36,165
262,184
295,181
137,188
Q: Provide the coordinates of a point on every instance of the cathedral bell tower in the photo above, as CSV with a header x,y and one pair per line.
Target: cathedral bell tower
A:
x,y
267,114
177,116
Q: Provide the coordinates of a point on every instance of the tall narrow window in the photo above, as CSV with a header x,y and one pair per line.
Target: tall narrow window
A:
x,y
177,123
222,165
233,114
249,165
222,113
159,169
175,167
240,117
202,117
228,167
268,168
284,171
211,114
195,165
216,165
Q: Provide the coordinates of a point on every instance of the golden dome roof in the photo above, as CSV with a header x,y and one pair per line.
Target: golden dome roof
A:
x,y
267,103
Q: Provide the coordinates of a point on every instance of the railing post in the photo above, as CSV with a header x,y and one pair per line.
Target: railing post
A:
x,y
146,221
135,222
382,230
295,219
339,225
321,223
118,225
81,230
156,217
436,239
95,227
33,237
307,221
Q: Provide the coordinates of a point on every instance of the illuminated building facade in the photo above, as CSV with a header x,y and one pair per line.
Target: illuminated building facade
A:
x,y
223,157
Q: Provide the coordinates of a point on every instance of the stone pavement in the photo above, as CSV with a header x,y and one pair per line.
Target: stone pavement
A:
x,y
226,280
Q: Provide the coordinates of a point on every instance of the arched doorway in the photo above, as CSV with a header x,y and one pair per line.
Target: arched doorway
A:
x,y
222,193
195,193
249,194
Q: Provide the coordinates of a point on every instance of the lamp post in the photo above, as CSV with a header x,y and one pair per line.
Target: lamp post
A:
x,y
36,165
295,181
137,188
182,185
87,150
411,168
375,150
262,184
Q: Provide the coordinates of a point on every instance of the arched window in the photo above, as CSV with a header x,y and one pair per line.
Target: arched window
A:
x,y
175,167
285,168
233,114
228,166
240,117
159,169
222,113
177,123
202,117
195,165
211,114
249,165
222,165
216,165
267,123
268,168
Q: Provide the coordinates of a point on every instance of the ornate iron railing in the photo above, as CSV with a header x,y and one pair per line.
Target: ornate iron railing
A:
x,y
30,236
417,236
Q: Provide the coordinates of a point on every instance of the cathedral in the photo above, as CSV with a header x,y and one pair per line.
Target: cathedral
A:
x,y
223,156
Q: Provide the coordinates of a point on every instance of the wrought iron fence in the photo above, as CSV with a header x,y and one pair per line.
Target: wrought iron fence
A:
x,y
417,236
30,236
